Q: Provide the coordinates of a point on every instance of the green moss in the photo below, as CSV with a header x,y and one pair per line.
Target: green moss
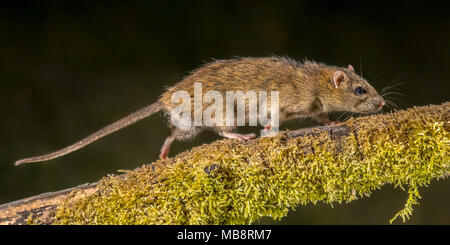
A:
x,y
30,220
227,182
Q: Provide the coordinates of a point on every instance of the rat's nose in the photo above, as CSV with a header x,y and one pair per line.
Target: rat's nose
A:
x,y
381,104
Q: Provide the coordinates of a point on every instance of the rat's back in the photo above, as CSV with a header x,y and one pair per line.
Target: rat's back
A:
x,y
238,74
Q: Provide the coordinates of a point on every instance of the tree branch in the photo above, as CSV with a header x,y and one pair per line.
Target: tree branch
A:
x,y
361,133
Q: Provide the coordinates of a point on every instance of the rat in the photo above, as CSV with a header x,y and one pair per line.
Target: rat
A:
x,y
306,90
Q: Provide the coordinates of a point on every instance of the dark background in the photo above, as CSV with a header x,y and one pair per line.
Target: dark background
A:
x,y
68,68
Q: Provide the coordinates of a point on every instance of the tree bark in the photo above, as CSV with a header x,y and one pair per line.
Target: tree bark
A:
x,y
43,205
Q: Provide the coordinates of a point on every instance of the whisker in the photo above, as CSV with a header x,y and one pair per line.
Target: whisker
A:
x,y
388,88
393,100
391,104
349,116
393,92
392,87
360,67
342,115
397,84
339,117
390,95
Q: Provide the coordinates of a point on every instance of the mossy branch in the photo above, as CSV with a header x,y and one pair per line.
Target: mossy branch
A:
x,y
228,182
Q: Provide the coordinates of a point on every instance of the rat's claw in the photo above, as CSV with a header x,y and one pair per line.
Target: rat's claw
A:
x,y
166,147
241,137
247,137
164,153
332,123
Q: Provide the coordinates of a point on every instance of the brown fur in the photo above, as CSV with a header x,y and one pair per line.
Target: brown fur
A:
x,y
307,89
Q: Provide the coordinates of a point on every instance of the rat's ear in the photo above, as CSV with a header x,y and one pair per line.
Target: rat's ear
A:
x,y
350,67
338,78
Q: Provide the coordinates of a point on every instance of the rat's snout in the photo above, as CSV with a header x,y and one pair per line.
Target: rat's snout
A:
x,y
380,104
375,105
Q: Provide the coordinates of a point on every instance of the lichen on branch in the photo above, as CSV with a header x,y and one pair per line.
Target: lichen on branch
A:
x,y
228,182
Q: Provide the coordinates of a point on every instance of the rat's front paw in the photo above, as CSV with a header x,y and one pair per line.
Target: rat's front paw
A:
x,y
327,122
331,123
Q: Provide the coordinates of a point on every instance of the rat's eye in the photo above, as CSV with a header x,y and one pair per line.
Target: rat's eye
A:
x,y
360,90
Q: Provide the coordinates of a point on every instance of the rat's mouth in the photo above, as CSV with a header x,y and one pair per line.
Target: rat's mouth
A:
x,y
373,108
379,106
367,112
370,111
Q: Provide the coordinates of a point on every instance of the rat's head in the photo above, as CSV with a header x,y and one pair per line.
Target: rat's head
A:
x,y
357,94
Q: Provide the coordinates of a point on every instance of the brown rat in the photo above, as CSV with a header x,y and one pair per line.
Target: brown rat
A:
x,y
306,90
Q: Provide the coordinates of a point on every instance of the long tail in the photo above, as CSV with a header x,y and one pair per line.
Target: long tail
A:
x,y
122,123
